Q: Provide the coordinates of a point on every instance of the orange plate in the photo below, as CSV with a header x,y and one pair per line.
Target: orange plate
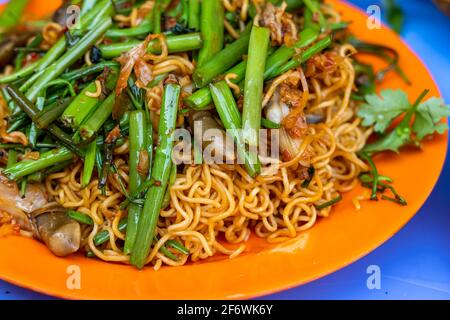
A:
x,y
332,244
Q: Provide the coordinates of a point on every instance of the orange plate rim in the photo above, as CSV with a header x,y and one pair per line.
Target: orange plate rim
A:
x,y
332,244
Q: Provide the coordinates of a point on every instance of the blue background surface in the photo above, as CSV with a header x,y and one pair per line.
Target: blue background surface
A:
x,y
415,263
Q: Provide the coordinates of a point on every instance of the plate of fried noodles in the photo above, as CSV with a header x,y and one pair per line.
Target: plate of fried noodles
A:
x,y
170,149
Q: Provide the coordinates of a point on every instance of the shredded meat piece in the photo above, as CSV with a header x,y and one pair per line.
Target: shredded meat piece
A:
x,y
323,63
295,122
282,27
303,173
143,10
8,225
32,155
4,217
290,94
170,22
113,135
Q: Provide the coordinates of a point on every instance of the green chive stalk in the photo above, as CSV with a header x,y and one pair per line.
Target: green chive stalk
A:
x,y
93,124
221,62
298,60
172,178
30,109
157,17
231,118
160,173
89,163
212,29
12,158
102,9
201,99
138,133
103,236
27,167
314,7
283,54
138,31
175,43
177,246
51,113
84,105
253,89
80,217
89,70
69,58
194,14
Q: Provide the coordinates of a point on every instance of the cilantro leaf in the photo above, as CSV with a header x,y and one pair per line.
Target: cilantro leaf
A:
x,y
428,117
381,111
393,141
401,135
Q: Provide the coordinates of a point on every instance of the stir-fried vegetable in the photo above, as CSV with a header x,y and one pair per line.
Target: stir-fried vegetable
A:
x,y
160,174
275,65
26,167
231,118
194,14
222,61
91,104
68,58
254,81
80,217
175,43
32,112
95,121
89,163
102,10
139,166
212,28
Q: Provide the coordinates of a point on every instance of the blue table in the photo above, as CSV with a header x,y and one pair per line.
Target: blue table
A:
x,y
415,263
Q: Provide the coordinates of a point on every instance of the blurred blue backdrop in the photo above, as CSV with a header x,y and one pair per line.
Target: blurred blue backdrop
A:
x,y
415,263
